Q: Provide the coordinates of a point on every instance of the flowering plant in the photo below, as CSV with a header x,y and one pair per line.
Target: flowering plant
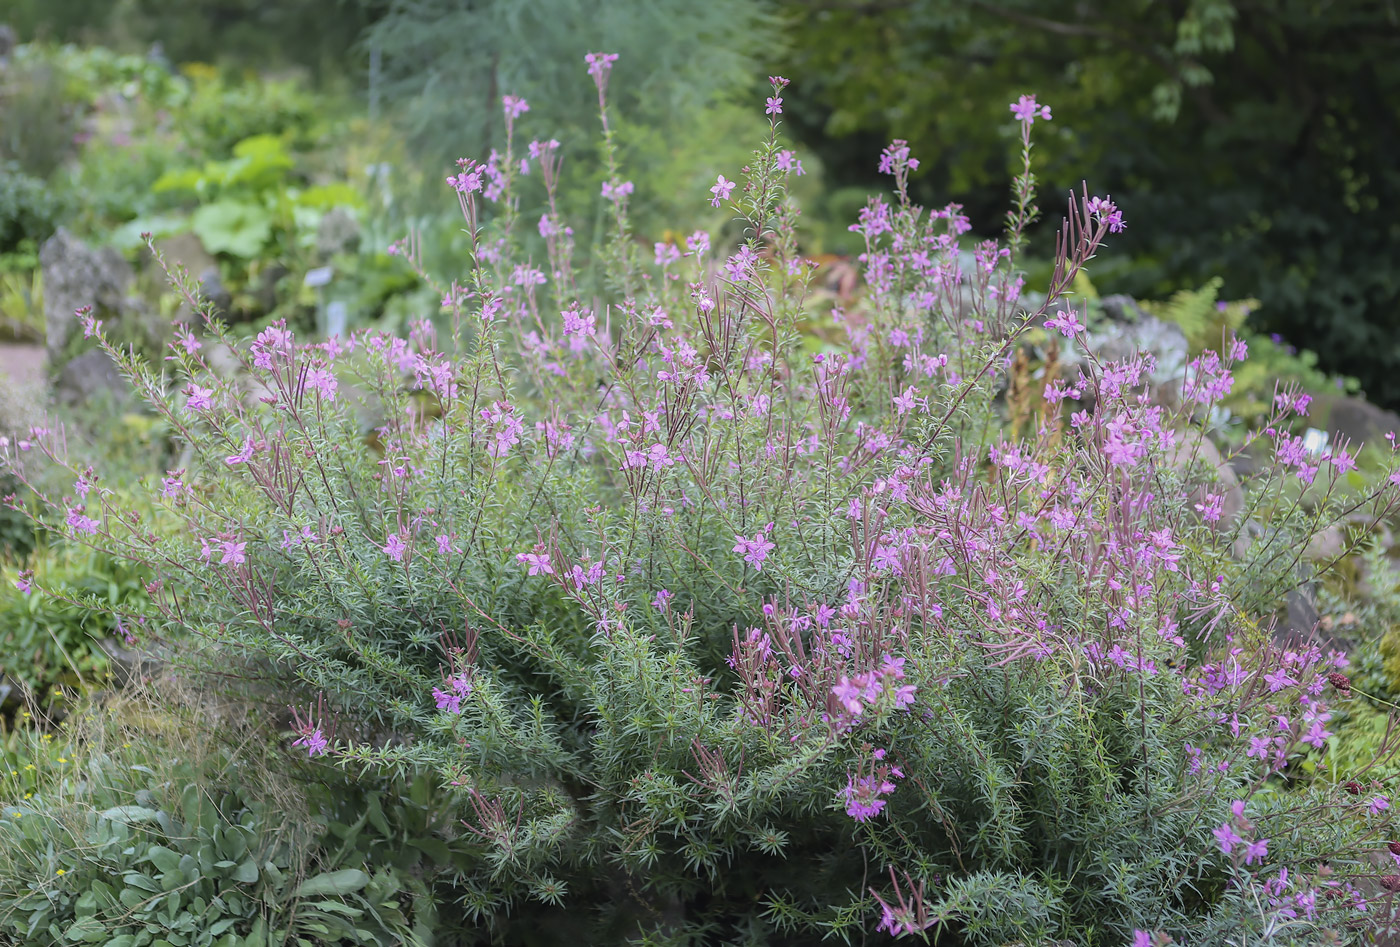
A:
x,y
711,634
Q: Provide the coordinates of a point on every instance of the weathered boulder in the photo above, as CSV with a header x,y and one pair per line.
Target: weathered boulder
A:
x,y
211,287
90,377
1354,420
77,275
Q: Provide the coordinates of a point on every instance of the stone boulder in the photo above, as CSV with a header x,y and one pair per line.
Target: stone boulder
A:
x,y
1354,420
91,377
78,275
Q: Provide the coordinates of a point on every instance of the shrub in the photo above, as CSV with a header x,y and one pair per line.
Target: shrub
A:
x,y
716,631
29,211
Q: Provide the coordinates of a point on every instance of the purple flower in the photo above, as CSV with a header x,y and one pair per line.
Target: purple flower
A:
x,y
537,561
775,105
244,455
863,796
662,598
755,550
83,524
1257,851
395,547
514,106
1227,838
199,399
1027,110
599,64
1142,939
444,543
233,553
448,701
616,191
314,741
24,583
1067,322
1378,805
720,190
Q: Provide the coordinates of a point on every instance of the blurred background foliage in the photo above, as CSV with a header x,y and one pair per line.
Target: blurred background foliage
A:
x,y
1248,139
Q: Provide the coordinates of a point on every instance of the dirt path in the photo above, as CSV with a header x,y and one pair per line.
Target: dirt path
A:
x,y
21,366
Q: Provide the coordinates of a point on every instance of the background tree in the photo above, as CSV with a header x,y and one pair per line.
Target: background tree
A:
x,y
1257,136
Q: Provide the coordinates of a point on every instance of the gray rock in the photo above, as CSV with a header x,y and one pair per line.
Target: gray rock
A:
x,y
1122,308
1355,420
187,250
211,287
132,665
91,377
1193,449
77,275
1299,618
225,363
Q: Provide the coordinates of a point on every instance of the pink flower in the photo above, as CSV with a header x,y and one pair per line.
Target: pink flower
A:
x,y
83,524
1378,805
775,106
199,399
600,64
514,106
1257,851
1227,838
448,701
616,191
24,583
537,561
1027,110
1142,939
244,455
1067,322
662,598
314,741
788,161
395,547
863,796
233,553
755,550
444,543
468,182
324,381
720,190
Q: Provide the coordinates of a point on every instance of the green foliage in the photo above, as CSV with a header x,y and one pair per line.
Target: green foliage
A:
x,y
1175,110
160,841
446,66
51,637
29,210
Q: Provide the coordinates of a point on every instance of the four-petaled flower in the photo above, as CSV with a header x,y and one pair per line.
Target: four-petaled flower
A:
x,y
395,547
720,190
198,399
315,742
775,105
755,549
